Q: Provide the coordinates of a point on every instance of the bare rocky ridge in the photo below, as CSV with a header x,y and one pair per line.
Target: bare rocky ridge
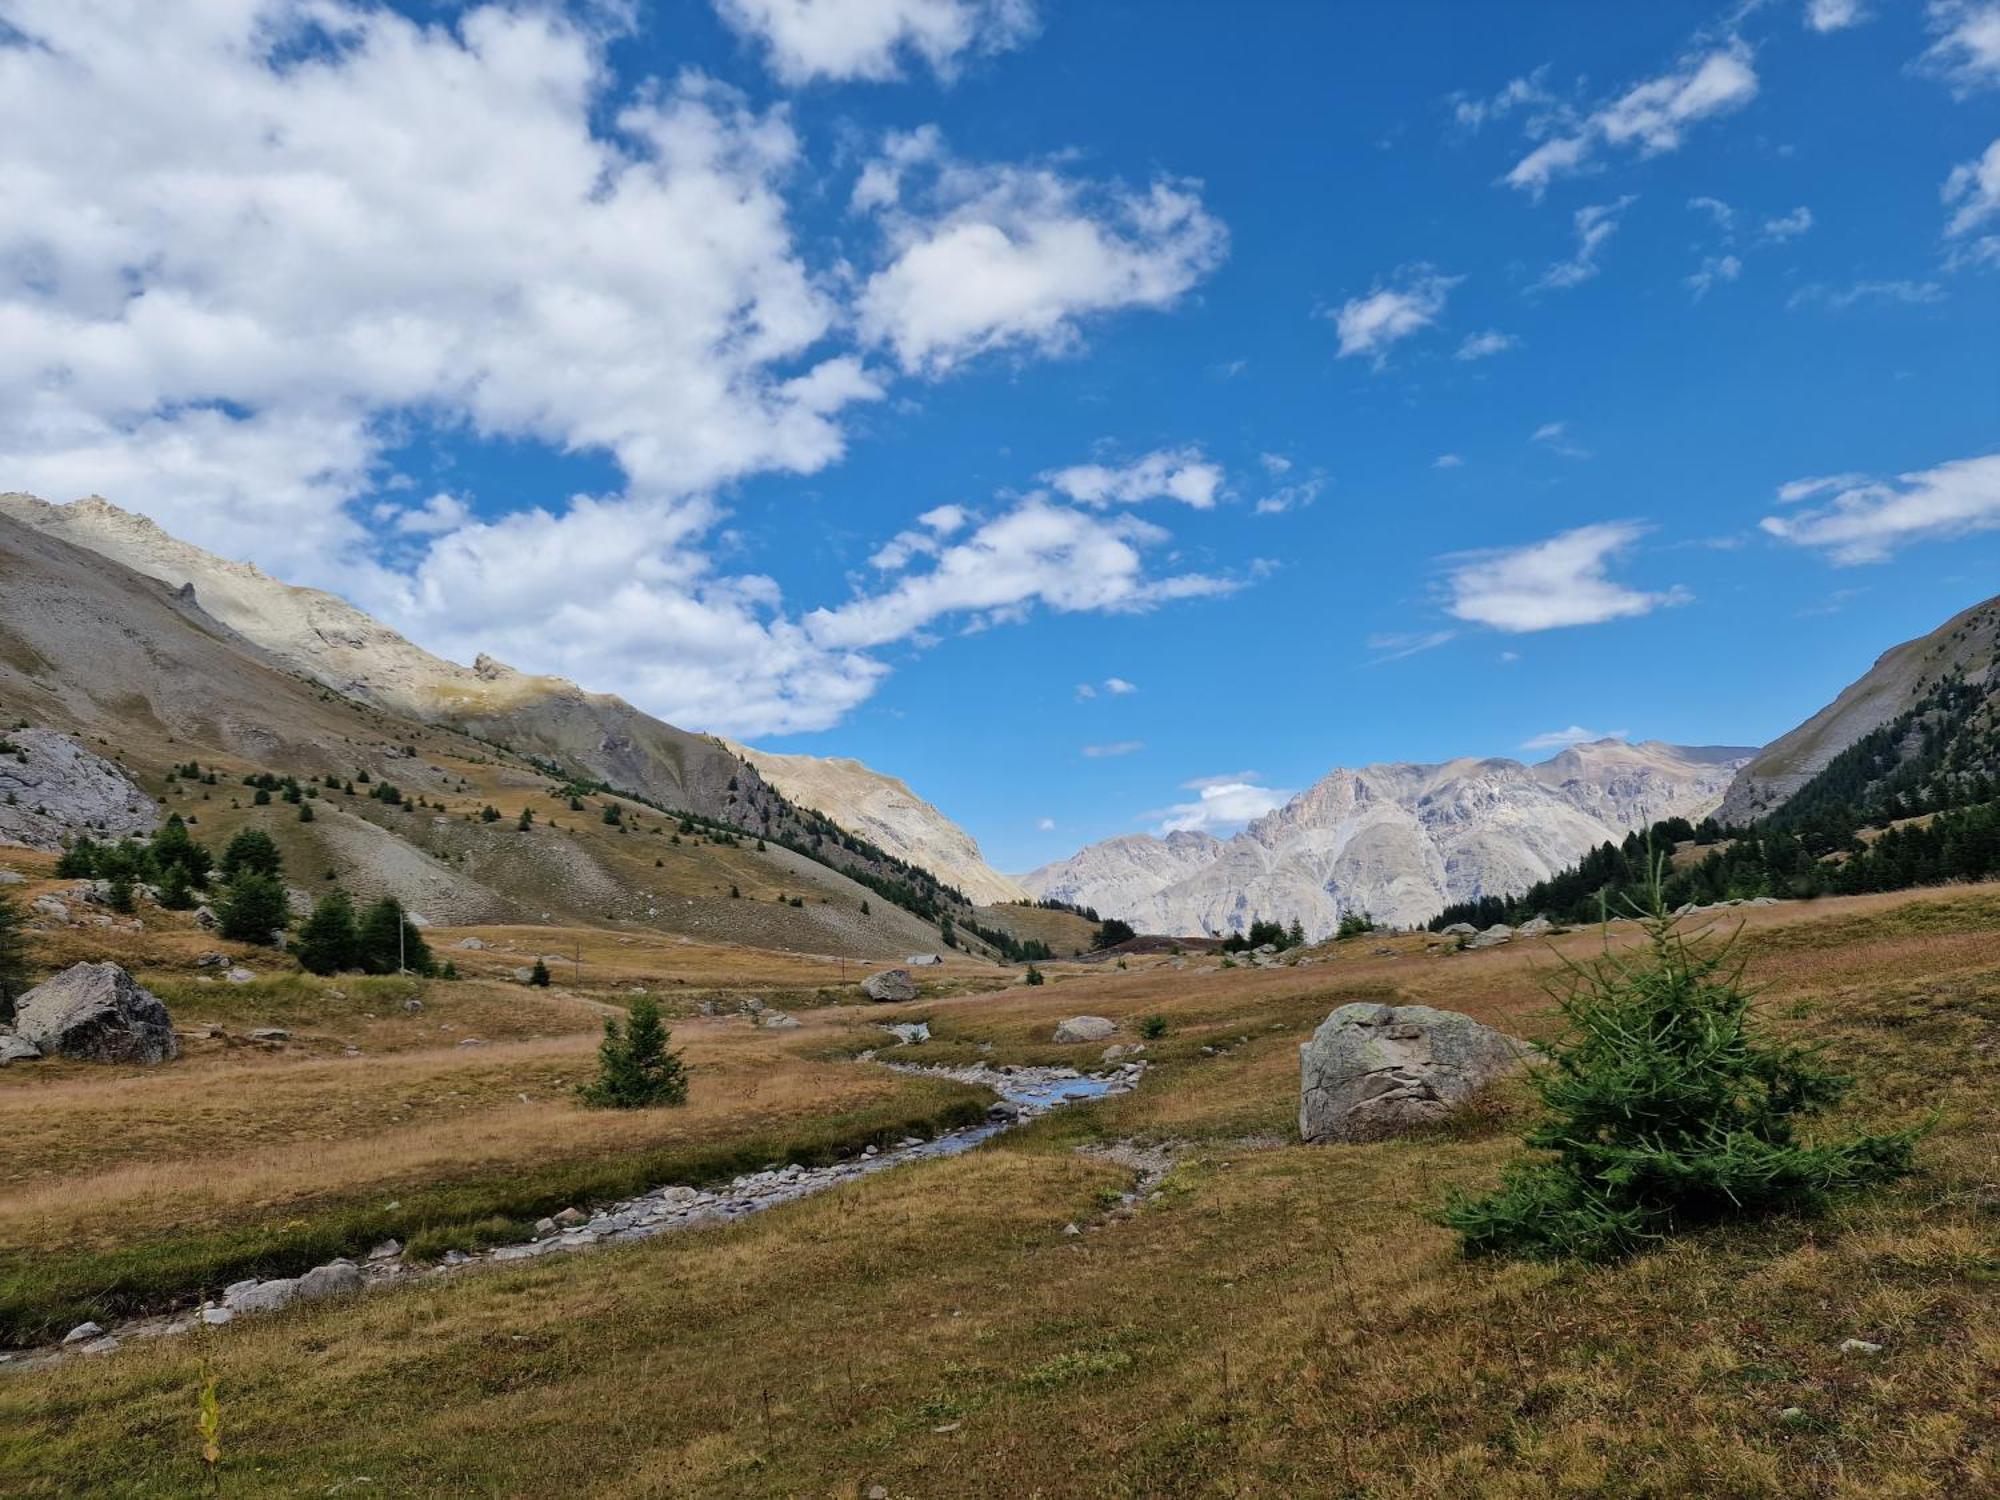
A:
x,y
885,811
1399,842
1966,643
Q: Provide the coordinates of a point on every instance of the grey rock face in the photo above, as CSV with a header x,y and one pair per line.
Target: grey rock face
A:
x,y
1084,1029
59,787
890,984
97,1013
1375,1071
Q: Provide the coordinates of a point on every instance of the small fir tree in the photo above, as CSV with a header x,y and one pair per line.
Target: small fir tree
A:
x,y
255,908
538,976
634,1068
329,941
251,850
176,890
1665,1110
388,940
13,957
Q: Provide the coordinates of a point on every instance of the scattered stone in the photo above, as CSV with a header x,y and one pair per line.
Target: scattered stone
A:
x,y
1070,1231
15,1049
206,919
1459,929
106,1345
545,1226
1536,927
1374,1071
924,960
387,1250
777,1020
215,1317
212,961
570,1217
524,975
1492,937
334,1279
890,985
1118,1050
97,1013
239,975
1084,1029
472,944
753,1006
878,1492
910,1033
413,1005
1792,1415
82,1334
12,877
49,906
1859,1346
270,1034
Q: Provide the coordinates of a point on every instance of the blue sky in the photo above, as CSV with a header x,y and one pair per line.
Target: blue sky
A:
x,y
1345,383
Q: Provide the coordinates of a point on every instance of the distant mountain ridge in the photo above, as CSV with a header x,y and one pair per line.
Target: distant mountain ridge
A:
x,y
1399,841
323,637
1966,643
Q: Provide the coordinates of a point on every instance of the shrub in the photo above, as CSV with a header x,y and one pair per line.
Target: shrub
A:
x,y
1152,1028
1111,932
634,1068
1354,924
1033,976
1665,1110
539,975
118,895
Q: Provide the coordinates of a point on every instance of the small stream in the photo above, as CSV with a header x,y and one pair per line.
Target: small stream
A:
x,y
1024,1094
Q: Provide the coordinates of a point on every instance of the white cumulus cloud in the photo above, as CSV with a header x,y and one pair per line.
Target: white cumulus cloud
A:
x,y
1182,474
1221,804
1966,53
1834,15
1562,581
870,40
1394,309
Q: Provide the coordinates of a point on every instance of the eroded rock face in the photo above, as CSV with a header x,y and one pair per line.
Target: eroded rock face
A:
x,y
50,786
97,1013
1375,1071
890,984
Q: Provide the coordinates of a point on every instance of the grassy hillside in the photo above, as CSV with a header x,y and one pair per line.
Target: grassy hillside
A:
x,y
1269,1319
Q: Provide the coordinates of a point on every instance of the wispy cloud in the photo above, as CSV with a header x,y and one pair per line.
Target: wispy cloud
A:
x,y
1966,53
1485,345
1392,310
1868,520
1115,748
1576,734
1840,298
1183,474
1395,647
1595,224
1555,437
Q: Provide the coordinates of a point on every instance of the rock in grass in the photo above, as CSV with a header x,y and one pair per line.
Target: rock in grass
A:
x,y
1375,1071
334,1279
97,1013
83,1333
1859,1346
1084,1029
890,984
261,1296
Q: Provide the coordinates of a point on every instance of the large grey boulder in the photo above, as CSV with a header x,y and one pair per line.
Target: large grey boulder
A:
x,y
1374,1071
1084,1029
97,1013
335,1278
890,984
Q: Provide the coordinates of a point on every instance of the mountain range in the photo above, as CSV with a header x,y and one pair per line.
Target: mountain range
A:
x,y
1395,842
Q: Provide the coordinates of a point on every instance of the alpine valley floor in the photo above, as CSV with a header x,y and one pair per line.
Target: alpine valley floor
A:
x,y
1267,1319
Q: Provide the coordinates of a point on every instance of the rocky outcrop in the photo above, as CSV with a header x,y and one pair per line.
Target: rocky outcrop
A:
x,y
1399,842
1374,1071
16,1048
97,1013
52,787
890,984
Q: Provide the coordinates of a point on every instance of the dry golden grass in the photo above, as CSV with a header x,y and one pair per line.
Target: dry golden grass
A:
x,y
1282,1321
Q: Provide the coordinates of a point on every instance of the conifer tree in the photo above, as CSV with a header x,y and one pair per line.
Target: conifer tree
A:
x,y
538,976
13,957
176,890
389,938
251,850
634,1068
254,909
328,939
1666,1110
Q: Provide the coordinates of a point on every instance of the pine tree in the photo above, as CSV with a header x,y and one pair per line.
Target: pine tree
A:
x,y
78,861
251,850
328,939
538,976
118,895
176,890
1666,1110
305,812
254,909
13,957
174,846
527,819
388,938
634,1068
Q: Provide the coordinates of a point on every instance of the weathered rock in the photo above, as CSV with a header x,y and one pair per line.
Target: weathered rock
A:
x,y
1492,937
1084,1029
1459,929
1374,1071
206,919
261,1296
97,1013
212,961
12,877
83,1333
215,1317
49,906
387,1250
239,975
890,984
472,944
15,1049
53,786
1118,1051
270,1034
924,960
910,1033
1536,927
335,1278
777,1020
